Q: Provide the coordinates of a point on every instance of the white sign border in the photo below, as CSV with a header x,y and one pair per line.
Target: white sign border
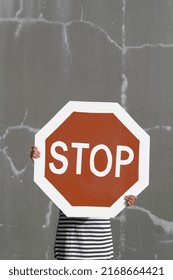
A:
x,y
91,107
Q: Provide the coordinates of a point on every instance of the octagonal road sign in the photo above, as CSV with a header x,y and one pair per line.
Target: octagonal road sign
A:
x,y
92,155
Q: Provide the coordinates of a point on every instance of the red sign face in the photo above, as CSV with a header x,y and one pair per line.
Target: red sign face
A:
x,y
88,159
93,154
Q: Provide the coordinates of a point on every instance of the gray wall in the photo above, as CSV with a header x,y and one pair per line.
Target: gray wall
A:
x,y
53,51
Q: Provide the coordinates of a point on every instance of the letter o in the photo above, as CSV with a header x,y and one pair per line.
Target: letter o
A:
x,y
109,160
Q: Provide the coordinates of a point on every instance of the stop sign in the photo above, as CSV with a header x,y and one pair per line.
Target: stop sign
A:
x,y
92,155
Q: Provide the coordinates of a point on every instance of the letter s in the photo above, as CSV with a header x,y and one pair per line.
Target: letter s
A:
x,y
59,157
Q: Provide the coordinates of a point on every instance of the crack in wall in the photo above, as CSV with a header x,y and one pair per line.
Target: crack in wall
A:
x,y
101,30
124,29
2,225
17,255
9,225
20,126
19,12
168,128
47,252
167,226
148,45
48,215
67,43
122,238
82,13
18,30
66,24
124,85
124,49
16,173
166,241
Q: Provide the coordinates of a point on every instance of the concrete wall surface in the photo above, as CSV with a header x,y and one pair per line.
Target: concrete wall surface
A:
x,y
53,51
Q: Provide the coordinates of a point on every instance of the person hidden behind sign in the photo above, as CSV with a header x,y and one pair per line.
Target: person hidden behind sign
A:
x,y
83,238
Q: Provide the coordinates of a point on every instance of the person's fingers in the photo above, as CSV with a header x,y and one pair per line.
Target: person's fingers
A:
x,y
130,199
128,203
132,196
35,153
34,148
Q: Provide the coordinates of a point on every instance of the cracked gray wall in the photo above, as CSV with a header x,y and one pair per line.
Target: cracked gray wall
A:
x,y
53,51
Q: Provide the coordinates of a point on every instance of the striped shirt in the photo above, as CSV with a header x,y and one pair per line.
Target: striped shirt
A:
x,y
83,238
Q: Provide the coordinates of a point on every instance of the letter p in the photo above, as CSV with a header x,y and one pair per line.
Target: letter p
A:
x,y
119,161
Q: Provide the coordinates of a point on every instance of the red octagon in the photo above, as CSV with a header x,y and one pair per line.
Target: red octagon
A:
x,y
92,155
86,188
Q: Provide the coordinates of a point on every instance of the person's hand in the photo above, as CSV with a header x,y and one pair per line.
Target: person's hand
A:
x,y
130,199
35,153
